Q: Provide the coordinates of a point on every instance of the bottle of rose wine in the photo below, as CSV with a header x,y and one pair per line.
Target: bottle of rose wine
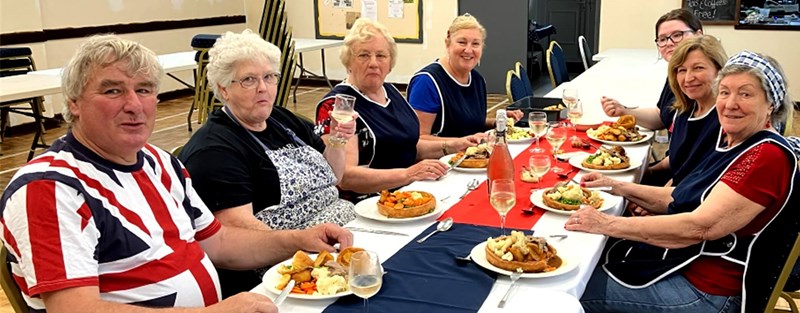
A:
x,y
501,166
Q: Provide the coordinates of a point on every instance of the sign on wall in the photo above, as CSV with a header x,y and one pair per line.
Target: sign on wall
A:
x,y
334,18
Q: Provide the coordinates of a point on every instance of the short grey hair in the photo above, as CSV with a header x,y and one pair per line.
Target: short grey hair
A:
x,y
365,29
233,49
782,108
100,51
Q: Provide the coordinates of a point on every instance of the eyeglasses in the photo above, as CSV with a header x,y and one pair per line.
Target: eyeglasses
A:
x,y
365,56
675,37
249,82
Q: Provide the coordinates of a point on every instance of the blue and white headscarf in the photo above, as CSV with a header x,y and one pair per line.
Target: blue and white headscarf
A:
x,y
777,86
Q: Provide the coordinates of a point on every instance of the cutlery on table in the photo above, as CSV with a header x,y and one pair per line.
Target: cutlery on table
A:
x,y
514,278
374,231
566,175
472,185
285,293
467,258
443,225
529,210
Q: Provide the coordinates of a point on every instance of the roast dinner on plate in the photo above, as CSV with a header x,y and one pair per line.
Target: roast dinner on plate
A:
x,y
607,159
405,204
570,197
517,251
624,129
324,275
477,157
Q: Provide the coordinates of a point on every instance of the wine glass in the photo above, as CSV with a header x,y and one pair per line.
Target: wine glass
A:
x,y
556,136
540,164
503,199
365,275
575,112
569,95
537,121
343,109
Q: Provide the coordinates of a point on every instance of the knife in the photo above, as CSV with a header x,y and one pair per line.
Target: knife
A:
x,y
374,231
285,293
458,162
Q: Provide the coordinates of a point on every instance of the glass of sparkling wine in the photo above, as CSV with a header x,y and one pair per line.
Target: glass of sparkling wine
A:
x,y
575,112
503,199
570,98
540,164
365,275
537,121
343,109
556,136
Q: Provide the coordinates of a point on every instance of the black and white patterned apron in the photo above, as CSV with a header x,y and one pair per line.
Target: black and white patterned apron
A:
x,y
308,186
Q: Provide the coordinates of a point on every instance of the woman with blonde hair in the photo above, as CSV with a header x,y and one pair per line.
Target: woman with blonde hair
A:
x,y
388,152
449,95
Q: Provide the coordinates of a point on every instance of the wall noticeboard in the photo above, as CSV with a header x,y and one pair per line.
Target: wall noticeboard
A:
x,y
403,18
714,12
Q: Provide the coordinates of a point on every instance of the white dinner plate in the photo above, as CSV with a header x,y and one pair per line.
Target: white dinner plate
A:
x,y
368,208
645,138
577,161
517,141
272,277
446,160
478,256
609,201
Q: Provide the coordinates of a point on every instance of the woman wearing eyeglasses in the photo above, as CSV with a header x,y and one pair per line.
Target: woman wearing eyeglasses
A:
x,y
671,28
257,165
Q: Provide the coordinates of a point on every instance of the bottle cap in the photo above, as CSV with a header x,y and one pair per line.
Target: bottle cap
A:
x,y
500,119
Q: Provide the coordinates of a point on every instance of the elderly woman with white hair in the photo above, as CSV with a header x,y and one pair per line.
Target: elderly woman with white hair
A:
x,y
389,152
257,165
726,236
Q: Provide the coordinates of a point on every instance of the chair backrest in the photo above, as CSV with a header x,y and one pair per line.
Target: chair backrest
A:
x,y
523,75
586,52
554,68
9,286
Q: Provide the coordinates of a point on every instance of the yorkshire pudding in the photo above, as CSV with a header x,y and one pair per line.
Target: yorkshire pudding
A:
x,y
405,204
529,253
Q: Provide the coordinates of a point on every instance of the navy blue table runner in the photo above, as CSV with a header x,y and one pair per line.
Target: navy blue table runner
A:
x,y
426,277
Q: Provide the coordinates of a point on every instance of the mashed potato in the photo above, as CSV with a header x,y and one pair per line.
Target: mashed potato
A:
x,y
327,284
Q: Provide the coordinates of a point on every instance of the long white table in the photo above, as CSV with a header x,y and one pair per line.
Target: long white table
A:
x,y
28,86
302,45
583,246
633,81
651,54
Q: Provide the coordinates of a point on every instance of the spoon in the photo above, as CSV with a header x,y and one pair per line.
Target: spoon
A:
x,y
467,258
472,185
442,226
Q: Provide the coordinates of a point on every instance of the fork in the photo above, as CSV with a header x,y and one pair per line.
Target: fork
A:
x,y
472,185
514,278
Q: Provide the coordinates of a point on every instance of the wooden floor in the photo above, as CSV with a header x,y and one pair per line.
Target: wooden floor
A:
x,y
171,131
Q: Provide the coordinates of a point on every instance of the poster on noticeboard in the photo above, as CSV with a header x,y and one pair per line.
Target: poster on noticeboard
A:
x,y
403,18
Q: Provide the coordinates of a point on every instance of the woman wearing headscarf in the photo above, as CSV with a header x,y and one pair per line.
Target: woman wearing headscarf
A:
x,y
726,226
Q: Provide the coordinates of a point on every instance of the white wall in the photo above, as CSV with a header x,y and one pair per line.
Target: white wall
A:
x,y
617,16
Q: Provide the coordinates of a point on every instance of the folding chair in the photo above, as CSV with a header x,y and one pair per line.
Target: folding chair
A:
x,y
9,286
204,101
19,61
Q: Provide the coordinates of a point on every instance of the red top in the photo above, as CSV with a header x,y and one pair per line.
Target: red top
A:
x,y
760,175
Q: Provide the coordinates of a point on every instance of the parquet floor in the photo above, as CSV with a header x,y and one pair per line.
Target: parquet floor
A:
x,y
171,131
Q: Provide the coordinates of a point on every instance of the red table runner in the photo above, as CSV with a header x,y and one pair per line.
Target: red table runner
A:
x,y
476,209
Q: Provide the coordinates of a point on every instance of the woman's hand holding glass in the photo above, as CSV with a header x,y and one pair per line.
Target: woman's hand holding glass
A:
x,y
365,275
343,114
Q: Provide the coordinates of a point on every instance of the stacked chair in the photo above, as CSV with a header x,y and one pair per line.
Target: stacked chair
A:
x,y
19,61
556,64
204,101
274,28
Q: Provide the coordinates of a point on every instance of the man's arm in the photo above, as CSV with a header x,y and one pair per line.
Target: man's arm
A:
x,y
87,300
239,248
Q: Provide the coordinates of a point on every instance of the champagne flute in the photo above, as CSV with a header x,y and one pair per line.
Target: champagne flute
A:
x,y
343,109
365,275
537,121
569,95
540,164
503,199
575,112
556,136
